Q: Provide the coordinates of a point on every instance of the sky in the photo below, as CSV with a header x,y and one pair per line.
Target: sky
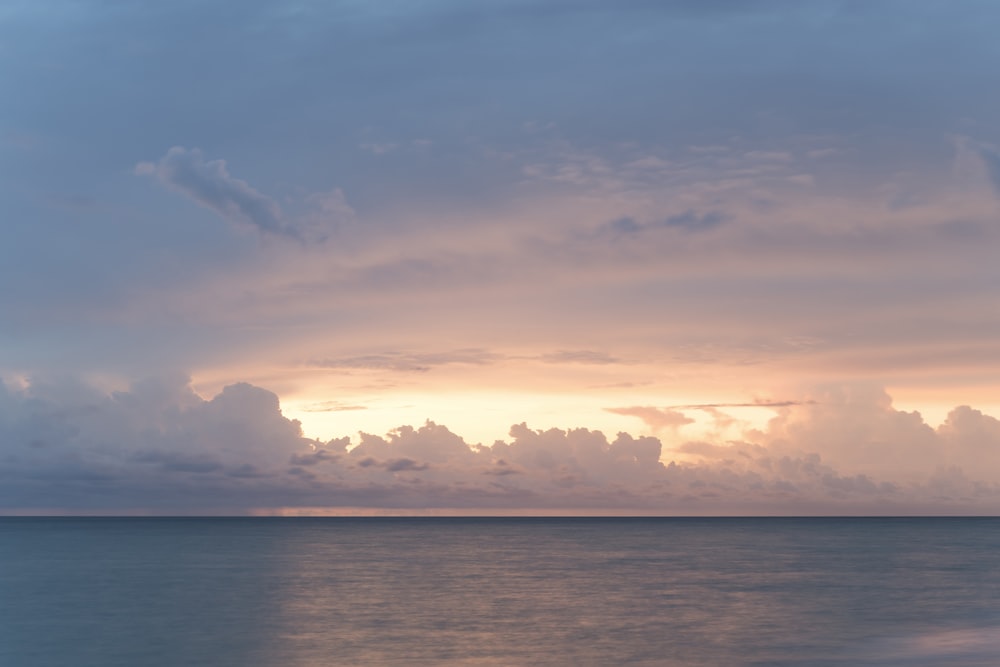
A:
x,y
510,256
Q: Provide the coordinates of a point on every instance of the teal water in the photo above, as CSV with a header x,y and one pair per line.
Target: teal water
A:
x,y
88,592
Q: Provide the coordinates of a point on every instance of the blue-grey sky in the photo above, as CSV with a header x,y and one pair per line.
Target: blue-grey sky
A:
x,y
572,215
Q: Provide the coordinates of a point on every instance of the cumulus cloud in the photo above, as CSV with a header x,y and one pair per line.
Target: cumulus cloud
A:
x,y
158,446
66,444
209,183
856,428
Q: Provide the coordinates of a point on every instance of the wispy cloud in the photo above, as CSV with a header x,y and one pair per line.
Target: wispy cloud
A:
x,y
656,418
579,357
991,156
209,183
762,403
407,362
332,406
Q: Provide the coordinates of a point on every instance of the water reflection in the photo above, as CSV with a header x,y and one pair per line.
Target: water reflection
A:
x,y
964,647
321,592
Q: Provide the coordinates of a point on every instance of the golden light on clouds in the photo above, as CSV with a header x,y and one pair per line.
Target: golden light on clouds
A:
x,y
752,266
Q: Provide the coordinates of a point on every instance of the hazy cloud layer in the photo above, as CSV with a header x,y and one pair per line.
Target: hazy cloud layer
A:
x,y
160,447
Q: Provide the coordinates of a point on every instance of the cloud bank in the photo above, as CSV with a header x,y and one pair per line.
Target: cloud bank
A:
x,y
159,447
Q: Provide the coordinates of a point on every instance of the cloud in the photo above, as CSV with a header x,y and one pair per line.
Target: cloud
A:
x,y
172,461
857,429
330,212
903,291
761,403
429,443
158,446
624,225
578,357
991,157
210,184
770,156
333,406
377,148
656,418
157,443
687,221
407,362
691,221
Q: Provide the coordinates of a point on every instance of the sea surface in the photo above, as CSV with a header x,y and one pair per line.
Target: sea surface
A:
x,y
318,592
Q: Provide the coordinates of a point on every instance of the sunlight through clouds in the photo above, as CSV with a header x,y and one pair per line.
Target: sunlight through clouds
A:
x,y
733,228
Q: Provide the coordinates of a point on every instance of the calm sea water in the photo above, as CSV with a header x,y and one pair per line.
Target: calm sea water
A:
x,y
322,592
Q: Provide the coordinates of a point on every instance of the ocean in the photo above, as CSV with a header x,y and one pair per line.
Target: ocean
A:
x,y
320,592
